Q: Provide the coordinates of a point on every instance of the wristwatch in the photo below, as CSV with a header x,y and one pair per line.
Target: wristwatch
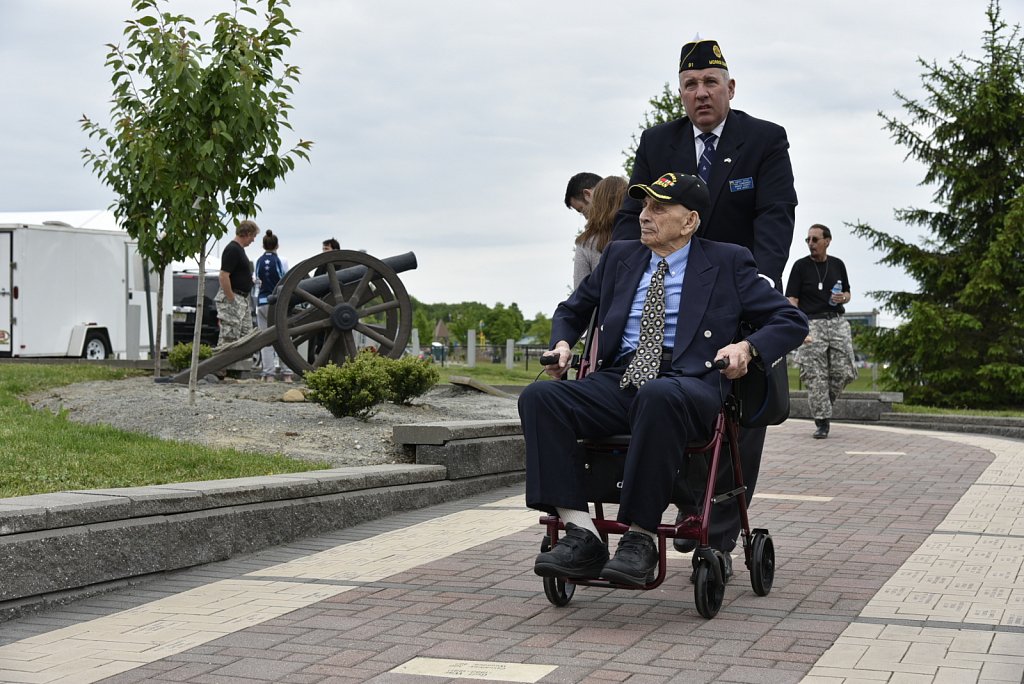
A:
x,y
753,350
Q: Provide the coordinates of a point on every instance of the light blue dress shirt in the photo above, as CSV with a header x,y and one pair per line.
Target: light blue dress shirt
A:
x,y
673,292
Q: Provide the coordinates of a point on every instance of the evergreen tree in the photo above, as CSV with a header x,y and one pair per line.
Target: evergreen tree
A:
x,y
962,344
665,106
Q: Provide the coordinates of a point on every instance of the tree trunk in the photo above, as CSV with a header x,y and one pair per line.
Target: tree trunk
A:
x,y
193,374
158,344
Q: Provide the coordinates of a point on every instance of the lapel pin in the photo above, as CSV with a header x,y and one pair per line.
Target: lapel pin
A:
x,y
728,160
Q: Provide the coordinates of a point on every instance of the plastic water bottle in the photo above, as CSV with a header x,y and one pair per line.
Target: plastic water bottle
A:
x,y
836,289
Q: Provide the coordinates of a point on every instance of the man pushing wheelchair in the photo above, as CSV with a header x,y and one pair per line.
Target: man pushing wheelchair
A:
x,y
669,306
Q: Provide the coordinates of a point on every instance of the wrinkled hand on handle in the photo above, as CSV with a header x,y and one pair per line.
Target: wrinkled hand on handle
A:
x,y
736,357
556,362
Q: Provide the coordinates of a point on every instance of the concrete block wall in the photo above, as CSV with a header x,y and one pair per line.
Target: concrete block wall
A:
x,y
855,406
66,541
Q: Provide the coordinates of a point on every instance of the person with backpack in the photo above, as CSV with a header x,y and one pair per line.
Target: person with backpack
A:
x,y
270,268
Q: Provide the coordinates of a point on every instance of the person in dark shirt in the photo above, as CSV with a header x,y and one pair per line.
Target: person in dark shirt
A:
x,y
819,286
232,301
316,343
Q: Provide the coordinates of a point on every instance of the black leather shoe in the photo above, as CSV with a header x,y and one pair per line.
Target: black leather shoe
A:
x,y
684,545
726,567
822,431
635,561
579,554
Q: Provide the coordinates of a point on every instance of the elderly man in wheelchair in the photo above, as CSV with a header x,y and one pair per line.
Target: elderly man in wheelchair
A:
x,y
668,313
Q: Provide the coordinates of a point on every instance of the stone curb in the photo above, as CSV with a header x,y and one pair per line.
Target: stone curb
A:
x,y
53,544
983,425
34,564
83,507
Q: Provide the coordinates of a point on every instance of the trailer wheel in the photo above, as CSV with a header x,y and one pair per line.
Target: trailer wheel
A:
x,y
95,347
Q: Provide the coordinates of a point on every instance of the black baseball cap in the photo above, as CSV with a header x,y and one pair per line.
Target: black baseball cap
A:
x,y
677,187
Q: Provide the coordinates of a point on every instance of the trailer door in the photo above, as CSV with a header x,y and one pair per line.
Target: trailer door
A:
x,y
6,296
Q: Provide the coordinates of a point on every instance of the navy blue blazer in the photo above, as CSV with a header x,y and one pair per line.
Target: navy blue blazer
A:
x,y
721,288
753,201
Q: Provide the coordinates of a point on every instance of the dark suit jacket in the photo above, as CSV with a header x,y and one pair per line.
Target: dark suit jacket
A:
x,y
751,185
721,288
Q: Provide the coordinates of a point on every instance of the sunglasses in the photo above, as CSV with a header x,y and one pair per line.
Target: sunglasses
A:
x,y
812,239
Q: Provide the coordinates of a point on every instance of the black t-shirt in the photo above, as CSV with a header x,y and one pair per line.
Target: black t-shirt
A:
x,y
811,283
236,263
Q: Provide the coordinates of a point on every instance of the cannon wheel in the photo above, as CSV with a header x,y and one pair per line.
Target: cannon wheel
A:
x,y
377,305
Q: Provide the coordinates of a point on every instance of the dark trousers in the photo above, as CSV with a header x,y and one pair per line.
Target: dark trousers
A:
x,y
662,417
725,517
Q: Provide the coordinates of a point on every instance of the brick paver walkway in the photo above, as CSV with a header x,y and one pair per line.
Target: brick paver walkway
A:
x,y
899,559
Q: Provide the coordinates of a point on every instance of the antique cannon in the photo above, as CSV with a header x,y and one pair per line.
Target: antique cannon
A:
x,y
353,293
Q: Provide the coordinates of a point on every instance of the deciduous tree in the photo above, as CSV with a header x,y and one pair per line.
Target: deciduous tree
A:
x,y
195,131
665,106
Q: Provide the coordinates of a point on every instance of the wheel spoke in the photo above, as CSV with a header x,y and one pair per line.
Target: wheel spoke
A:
x,y
348,350
379,308
314,300
332,278
375,334
325,351
377,289
308,328
364,283
296,340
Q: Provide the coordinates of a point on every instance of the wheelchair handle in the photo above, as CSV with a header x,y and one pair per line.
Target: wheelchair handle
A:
x,y
549,358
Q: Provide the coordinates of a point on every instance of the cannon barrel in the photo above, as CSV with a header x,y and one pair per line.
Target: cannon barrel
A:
x,y
321,284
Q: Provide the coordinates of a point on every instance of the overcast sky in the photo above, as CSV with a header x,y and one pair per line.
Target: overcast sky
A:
x,y
450,127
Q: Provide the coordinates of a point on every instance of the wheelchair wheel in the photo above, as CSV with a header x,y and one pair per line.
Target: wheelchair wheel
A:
x,y
708,592
558,591
762,561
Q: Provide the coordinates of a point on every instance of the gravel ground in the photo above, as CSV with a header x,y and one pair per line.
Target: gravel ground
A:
x,y
249,415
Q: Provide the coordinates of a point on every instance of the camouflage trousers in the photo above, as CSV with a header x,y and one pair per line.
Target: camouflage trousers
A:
x,y
235,323
826,364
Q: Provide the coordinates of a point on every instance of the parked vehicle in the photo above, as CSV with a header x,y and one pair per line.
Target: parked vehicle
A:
x,y
69,291
186,289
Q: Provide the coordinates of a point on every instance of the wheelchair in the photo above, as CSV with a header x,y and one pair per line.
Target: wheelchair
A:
x,y
603,460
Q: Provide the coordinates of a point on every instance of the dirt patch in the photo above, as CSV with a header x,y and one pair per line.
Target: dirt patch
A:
x,y
249,415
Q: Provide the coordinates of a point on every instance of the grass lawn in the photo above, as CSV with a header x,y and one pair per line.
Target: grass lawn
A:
x,y
494,373
41,452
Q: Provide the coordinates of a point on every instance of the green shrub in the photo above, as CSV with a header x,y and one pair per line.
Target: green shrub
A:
x,y
180,357
411,377
353,388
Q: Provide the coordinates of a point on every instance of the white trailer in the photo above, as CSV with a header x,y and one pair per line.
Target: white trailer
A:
x,y
76,292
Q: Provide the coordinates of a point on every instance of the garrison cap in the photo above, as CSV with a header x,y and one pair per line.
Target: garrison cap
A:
x,y
701,54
